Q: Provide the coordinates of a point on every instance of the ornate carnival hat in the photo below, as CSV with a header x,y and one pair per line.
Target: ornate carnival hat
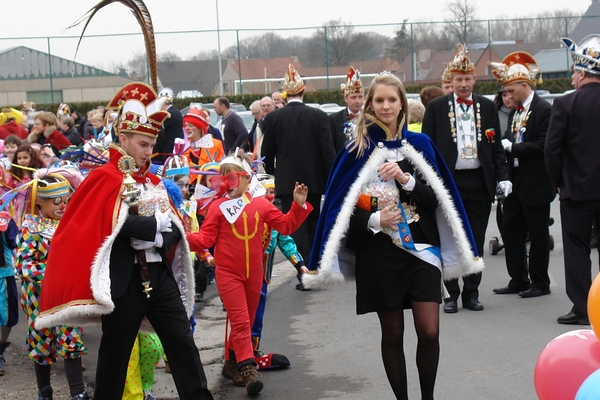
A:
x,y
353,83
516,67
139,110
11,113
461,63
63,109
177,164
292,83
586,55
446,76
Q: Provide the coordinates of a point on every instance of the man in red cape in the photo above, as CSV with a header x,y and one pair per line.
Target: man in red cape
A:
x,y
120,255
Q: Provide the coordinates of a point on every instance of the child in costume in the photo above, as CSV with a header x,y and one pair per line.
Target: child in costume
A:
x,y
50,193
288,248
9,298
234,225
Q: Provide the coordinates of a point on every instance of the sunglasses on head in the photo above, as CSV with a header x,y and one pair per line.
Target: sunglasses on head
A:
x,y
227,182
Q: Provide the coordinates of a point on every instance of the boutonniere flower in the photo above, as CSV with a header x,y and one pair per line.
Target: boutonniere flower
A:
x,y
490,134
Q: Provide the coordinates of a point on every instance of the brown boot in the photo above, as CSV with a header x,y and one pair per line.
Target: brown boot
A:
x,y
250,378
230,372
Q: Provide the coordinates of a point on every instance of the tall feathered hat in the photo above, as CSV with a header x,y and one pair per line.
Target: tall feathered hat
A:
x,y
353,83
292,83
142,15
586,55
516,67
461,63
63,109
139,110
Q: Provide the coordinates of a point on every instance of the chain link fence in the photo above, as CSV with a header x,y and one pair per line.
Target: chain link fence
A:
x,y
45,69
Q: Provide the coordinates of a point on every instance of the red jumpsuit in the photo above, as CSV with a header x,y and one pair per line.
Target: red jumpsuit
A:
x,y
238,257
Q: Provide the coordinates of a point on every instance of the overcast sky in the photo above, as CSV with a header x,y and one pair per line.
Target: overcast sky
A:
x,y
42,18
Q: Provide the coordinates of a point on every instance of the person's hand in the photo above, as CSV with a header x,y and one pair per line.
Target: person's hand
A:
x,y
389,217
300,193
163,222
507,145
391,170
210,261
303,269
506,187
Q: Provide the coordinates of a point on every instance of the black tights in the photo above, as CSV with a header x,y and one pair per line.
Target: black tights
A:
x,y
426,317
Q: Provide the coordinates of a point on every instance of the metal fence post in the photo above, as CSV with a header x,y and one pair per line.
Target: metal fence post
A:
x,y
50,65
237,38
412,55
326,56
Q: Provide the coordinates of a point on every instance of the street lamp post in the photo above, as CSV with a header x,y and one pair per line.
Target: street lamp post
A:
x,y
219,50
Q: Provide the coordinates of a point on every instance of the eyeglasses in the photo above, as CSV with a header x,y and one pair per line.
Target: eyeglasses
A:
x,y
254,113
227,182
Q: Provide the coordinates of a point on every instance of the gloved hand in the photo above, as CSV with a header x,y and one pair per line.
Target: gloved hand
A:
x,y
505,187
163,222
507,144
139,244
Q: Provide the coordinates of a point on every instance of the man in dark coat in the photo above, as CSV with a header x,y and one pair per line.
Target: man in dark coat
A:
x,y
527,210
571,156
298,136
465,128
340,123
172,129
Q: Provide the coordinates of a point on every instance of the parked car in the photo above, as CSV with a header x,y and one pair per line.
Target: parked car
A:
x,y
189,94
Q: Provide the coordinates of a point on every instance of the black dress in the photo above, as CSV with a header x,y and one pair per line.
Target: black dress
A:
x,y
388,277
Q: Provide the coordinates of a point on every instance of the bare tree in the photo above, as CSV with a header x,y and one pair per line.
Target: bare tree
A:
x,y
137,66
462,15
206,55
168,56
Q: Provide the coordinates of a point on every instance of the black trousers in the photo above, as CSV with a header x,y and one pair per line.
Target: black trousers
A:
x,y
305,235
477,203
521,221
576,220
166,313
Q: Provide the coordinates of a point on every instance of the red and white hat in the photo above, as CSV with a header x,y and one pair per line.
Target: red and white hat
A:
x,y
197,118
139,110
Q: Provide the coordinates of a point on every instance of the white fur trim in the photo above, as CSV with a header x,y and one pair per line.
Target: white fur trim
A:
x,y
81,315
457,256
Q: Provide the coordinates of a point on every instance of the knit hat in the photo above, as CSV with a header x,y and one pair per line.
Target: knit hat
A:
x,y
196,117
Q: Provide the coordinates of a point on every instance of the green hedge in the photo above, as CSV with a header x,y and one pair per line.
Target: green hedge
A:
x,y
555,85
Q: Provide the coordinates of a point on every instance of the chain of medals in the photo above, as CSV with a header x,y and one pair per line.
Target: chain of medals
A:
x,y
519,125
469,150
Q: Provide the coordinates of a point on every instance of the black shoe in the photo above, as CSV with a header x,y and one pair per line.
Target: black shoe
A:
x,y
534,292
573,319
45,393
199,297
301,287
473,305
507,290
450,307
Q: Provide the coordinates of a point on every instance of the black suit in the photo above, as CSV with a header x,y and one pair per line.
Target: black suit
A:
x,y
571,155
164,309
172,129
298,136
336,128
477,187
527,209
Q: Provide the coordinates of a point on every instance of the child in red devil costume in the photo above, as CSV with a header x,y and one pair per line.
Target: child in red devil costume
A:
x,y
234,225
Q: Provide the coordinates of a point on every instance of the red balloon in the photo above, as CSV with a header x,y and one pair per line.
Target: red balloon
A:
x,y
566,362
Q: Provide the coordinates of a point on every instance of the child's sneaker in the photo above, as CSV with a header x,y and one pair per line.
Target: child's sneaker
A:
x,y
148,395
250,378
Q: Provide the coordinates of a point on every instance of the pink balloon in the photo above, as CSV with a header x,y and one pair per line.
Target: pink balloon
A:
x,y
565,364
